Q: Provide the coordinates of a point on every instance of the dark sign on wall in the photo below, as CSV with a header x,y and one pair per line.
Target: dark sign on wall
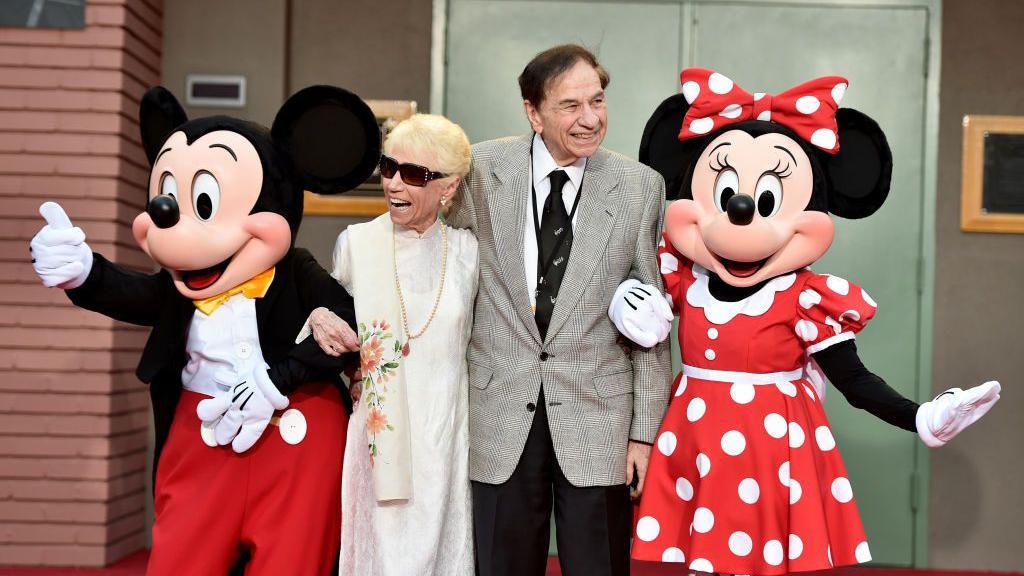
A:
x,y
992,189
1003,177
42,13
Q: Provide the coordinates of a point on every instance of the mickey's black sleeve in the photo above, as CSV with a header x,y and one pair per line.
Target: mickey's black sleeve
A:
x,y
306,361
863,389
318,288
122,294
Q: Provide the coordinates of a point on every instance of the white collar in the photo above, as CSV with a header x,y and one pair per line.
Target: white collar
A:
x,y
717,312
432,230
543,164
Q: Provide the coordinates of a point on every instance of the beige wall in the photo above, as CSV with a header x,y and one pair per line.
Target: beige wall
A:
x,y
976,501
236,37
378,49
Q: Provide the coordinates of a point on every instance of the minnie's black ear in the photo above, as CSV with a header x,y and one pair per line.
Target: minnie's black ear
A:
x,y
331,136
660,147
859,175
159,116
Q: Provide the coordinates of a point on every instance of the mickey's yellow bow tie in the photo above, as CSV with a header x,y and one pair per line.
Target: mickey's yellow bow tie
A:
x,y
255,287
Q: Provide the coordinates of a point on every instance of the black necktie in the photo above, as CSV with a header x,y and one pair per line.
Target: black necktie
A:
x,y
553,246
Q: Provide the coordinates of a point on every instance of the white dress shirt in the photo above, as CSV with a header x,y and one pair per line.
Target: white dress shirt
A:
x,y
222,348
542,166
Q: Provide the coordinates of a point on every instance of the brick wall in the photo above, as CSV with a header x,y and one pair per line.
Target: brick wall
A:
x,y
73,418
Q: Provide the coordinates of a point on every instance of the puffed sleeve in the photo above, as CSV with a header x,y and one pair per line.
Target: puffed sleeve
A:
x,y
831,310
673,265
342,262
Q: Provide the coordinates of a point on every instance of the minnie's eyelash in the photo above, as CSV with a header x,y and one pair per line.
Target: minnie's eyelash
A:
x,y
722,159
779,171
721,162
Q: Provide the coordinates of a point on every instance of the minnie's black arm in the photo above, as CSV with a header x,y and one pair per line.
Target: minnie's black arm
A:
x,y
863,389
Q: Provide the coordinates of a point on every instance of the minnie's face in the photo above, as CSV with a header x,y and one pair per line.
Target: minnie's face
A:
x,y
215,244
747,221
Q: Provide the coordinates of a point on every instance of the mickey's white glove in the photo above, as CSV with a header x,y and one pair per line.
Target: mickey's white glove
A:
x,y
241,413
60,255
641,313
944,417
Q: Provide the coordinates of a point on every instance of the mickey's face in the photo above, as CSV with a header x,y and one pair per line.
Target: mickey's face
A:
x,y
199,225
747,221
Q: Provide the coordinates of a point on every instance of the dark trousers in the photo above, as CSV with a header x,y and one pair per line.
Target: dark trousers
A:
x,y
512,520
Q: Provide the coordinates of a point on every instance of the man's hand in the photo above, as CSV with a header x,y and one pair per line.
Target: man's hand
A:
x,y
637,456
333,334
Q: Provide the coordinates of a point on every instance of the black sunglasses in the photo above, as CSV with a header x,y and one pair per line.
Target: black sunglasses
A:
x,y
412,174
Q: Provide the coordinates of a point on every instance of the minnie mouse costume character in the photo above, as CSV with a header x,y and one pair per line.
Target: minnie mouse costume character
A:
x,y
225,202
746,477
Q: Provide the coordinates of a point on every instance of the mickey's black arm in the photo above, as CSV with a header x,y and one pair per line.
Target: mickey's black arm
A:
x,y
307,361
318,288
863,389
122,294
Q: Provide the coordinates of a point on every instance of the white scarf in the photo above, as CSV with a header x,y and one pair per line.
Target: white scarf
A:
x,y
383,403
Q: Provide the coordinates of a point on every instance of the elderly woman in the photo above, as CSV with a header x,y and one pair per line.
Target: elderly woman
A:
x,y
405,489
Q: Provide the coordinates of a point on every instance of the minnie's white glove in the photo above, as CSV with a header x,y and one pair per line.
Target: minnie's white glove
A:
x,y
60,255
640,313
240,414
944,417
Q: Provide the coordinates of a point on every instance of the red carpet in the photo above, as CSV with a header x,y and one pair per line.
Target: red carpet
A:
x,y
135,565
659,569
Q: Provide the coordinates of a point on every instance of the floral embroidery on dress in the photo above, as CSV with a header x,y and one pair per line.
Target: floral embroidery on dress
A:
x,y
377,361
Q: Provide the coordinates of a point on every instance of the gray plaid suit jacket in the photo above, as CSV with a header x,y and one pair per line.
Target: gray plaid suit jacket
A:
x,y
598,396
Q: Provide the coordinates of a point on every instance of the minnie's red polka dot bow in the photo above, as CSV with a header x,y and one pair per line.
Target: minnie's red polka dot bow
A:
x,y
808,109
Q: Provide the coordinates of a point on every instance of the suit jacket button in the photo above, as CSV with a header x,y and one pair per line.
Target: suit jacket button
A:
x,y
544,356
530,407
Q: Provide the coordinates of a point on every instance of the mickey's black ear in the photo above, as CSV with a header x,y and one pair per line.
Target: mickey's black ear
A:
x,y
159,116
660,147
331,136
859,175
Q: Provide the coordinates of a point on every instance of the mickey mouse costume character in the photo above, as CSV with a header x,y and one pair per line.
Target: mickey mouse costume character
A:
x,y
225,201
746,477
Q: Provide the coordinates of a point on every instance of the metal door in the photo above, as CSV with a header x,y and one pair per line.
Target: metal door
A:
x,y
490,41
882,51
880,46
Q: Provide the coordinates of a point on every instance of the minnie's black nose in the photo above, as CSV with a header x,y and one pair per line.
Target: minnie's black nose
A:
x,y
163,210
741,209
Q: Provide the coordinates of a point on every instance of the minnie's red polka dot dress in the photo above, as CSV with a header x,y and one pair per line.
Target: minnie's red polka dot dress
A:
x,y
745,476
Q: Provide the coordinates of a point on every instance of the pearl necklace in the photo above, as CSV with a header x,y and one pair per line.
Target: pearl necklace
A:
x,y
437,299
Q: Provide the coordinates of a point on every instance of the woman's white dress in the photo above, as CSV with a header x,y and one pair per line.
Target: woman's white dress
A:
x,y
432,532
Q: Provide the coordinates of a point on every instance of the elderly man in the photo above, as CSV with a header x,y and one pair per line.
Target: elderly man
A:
x,y
559,412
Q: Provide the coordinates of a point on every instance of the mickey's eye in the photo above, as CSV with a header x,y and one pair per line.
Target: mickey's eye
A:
x,y
726,186
205,195
168,185
768,195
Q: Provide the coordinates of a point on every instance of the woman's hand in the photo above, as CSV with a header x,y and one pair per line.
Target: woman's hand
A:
x,y
333,334
355,381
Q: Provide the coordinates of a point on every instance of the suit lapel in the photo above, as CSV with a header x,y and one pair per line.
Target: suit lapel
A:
x,y
590,237
265,304
508,211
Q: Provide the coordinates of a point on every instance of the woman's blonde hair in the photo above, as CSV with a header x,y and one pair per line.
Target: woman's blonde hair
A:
x,y
435,135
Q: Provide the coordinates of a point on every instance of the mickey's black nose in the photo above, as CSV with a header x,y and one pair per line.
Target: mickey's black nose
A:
x,y
163,209
741,209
